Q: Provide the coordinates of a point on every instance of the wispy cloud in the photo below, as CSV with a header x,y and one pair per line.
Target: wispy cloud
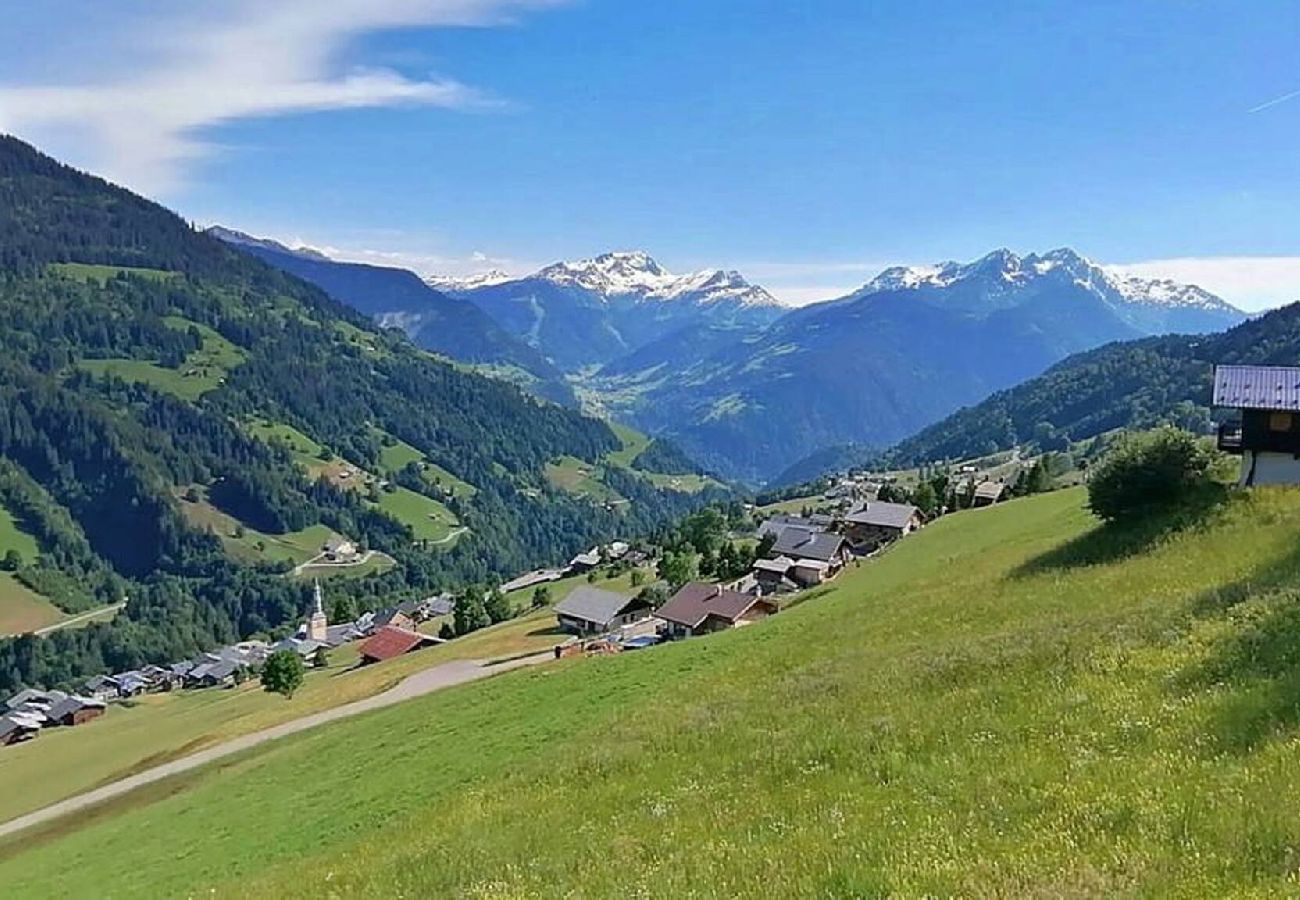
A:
x,y
1268,104
203,65
1250,282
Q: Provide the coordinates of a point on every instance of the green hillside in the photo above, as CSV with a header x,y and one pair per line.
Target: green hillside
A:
x,y
1012,702
181,420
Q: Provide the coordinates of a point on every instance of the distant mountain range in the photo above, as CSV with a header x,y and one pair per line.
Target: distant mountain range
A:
x,y
586,314
751,388
397,298
908,348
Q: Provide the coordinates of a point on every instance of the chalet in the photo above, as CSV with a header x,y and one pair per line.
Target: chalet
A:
x,y
338,635
340,549
441,605
776,524
704,608
390,642
878,523
589,610
304,648
772,576
1268,438
72,711
213,674
817,555
392,617
30,698
102,687
585,562
988,492
531,579
16,727
131,684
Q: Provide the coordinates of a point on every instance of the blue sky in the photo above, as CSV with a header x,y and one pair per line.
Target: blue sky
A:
x,y
807,144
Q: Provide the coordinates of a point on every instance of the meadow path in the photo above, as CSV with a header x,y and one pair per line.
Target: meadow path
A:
x,y
436,678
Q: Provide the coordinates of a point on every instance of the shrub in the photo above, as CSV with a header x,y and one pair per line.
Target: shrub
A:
x,y
1151,472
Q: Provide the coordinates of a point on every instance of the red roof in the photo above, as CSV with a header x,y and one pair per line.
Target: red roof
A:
x,y
392,641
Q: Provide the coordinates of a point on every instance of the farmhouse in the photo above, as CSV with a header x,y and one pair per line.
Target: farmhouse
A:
x,y
704,608
585,562
988,492
773,575
390,642
877,523
394,617
340,549
102,687
16,727
1268,438
589,610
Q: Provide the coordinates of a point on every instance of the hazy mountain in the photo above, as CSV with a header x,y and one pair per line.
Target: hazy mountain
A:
x,y
908,348
397,298
591,312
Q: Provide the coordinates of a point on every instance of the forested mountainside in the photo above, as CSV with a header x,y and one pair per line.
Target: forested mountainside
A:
x,y
397,298
909,348
152,373
1133,384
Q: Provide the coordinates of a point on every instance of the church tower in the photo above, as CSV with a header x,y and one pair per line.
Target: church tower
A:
x,y
318,623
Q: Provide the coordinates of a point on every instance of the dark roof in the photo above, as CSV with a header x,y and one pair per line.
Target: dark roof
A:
x,y
800,543
991,489
385,616
442,606
222,670
391,641
778,524
70,705
696,602
1257,387
594,605
883,515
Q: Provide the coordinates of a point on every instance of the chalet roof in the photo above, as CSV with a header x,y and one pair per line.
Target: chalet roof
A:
x,y
11,722
799,543
883,515
25,696
590,558
222,670
696,602
595,605
780,565
443,605
1257,387
990,490
385,617
392,641
69,705
101,682
777,524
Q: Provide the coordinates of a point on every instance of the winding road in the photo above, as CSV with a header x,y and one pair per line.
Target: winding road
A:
x,y
432,679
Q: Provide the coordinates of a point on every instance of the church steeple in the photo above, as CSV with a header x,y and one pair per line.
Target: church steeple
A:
x,y
318,624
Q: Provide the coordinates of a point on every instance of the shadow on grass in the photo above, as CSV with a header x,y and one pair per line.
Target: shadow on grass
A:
x,y
1258,660
1115,541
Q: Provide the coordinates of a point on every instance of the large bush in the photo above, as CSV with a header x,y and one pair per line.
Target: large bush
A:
x,y
1152,472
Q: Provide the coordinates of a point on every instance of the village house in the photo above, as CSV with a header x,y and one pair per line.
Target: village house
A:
x,y
705,608
392,617
390,642
440,605
72,711
1268,436
879,523
816,556
102,687
589,610
16,727
531,579
988,493
585,562
340,550
772,576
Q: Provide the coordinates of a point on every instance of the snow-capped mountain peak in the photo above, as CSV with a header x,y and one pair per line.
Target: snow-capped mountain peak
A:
x,y
452,283
611,273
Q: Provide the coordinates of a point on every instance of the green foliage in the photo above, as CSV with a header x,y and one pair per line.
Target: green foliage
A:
x,y
283,673
471,612
541,597
320,659
498,607
1151,472
679,567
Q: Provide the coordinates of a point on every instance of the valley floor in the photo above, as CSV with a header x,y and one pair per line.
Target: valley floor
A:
x,y
1012,702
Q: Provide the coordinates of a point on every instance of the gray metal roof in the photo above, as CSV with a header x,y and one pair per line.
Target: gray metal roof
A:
x,y
799,543
884,515
593,605
1257,387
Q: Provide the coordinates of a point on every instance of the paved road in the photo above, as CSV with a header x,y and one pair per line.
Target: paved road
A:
x,y
433,679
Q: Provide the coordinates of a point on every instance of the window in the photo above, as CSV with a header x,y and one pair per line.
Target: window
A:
x,y
1279,421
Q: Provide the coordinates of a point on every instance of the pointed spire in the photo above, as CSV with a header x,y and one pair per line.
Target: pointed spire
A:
x,y
319,597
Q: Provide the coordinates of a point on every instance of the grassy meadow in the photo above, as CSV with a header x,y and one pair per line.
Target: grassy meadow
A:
x,y
202,371
21,608
1012,702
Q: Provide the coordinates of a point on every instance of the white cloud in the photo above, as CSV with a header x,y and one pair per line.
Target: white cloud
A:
x,y
195,69
802,283
1250,282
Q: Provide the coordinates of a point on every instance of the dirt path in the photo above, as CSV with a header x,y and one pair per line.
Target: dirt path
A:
x,y
433,679
101,611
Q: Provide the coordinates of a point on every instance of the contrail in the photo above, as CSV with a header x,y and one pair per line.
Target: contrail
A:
x,y
1274,102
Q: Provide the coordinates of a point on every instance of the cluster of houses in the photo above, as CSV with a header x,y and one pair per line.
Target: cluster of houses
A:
x,y
384,635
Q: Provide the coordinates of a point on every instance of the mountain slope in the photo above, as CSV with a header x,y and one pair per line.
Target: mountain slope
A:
x,y
1009,703
1132,384
589,313
906,350
398,298
146,363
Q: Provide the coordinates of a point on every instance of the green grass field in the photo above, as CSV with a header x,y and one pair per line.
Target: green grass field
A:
x,y
580,479
101,274
21,608
1011,703
253,546
202,371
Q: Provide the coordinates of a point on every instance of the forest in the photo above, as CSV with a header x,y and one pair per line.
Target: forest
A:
x,y
91,461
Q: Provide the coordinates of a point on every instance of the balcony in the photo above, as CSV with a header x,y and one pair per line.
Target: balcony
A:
x,y
1230,438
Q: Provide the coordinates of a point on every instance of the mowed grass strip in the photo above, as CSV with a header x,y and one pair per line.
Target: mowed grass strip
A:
x,y
1005,704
